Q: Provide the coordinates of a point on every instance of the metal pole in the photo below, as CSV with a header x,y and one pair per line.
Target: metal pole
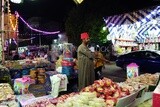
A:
x,y
2,33
39,40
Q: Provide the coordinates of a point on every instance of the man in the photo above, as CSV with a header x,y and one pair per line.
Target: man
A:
x,y
86,75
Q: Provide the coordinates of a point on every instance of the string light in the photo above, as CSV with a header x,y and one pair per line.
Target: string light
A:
x,y
34,29
21,40
31,34
14,27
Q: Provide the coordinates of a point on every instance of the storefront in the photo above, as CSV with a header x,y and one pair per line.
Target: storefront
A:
x,y
135,30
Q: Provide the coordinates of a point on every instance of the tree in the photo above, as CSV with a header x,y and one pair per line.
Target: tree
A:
x,y
81,19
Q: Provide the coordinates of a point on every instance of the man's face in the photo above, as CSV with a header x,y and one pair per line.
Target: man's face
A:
x,y
86,40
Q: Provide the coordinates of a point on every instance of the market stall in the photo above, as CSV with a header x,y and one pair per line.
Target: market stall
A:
x,y
102,93
138,30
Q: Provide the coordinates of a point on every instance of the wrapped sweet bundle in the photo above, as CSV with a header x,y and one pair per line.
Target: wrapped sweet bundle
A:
x,y
132,87
41,103
44,101
108,90
83,99
62,98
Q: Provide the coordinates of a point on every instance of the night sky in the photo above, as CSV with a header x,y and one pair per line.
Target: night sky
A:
x,y
58,10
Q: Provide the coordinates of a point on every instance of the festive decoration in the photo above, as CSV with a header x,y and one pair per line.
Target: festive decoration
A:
x,y
78,1
135,25
14,27
40,31
31,34
21,40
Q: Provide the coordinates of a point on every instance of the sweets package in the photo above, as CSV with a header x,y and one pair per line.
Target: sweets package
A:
x,y
23,98
59,83
132,70
47,84
21,85
10,103
44,101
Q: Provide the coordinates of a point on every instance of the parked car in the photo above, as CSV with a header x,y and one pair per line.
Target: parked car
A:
x,y
147,60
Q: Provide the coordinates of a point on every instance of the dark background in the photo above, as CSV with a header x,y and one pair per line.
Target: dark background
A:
x,y
57,11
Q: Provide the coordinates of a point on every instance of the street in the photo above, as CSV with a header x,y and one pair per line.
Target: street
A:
x,y
113,72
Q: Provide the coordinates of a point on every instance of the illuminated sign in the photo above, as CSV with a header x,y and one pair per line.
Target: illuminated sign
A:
x,y
17,1
78,1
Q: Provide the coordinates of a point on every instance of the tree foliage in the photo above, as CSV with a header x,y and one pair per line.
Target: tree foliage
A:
x,y
81,19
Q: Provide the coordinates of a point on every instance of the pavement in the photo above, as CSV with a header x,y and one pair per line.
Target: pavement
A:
x,y
113,72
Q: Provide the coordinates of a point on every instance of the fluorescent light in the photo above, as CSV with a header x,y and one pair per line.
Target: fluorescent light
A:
x,y
17,1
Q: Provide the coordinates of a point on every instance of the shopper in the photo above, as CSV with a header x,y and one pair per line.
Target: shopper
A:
x,y
86,75
99,64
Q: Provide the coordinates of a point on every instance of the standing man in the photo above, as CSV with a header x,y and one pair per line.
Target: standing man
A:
x,y
86,75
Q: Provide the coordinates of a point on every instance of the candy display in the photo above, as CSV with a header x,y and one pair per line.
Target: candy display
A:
x,y
132,87
83,99
6,92
27,63
148,79
102,93
108,90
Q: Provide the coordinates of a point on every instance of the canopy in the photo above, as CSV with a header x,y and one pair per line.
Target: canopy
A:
x,y
136,25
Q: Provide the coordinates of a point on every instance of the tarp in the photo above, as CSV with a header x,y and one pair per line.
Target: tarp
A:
x,y
136,25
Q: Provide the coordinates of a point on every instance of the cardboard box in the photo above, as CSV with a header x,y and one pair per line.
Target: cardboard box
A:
x,y
146,96
123,102
156,96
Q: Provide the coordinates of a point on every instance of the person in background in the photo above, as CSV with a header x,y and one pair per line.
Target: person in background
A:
x,y
45,55
99,64
86,75
48,56
16,56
